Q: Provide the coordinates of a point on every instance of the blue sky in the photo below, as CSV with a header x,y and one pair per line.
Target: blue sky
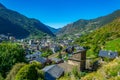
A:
x,y
58,13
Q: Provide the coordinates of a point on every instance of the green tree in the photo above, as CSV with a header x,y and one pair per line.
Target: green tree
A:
x,y
10,53
46,53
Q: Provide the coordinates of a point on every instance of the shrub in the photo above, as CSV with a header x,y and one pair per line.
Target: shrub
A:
x,y
27,72
1,78
14,71
30,72
46,53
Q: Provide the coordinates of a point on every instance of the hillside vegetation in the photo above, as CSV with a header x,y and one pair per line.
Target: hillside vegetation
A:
x,y
100,37
22,71
113,45
10,54
109,71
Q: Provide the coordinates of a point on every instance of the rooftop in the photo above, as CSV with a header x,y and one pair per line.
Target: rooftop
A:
x,y
108,54
54,70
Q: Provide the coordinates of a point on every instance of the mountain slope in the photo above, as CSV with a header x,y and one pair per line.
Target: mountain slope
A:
x,y
20,26
99,38
82,25
54,30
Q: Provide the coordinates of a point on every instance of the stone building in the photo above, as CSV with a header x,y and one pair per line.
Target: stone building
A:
x,y
78,59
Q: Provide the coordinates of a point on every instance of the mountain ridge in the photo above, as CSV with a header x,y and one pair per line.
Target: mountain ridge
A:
x,y
27,26
2,6
53,29
83,25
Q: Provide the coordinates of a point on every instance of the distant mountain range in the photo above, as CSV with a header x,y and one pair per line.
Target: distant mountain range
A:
x,y
54,30
82,26
20,26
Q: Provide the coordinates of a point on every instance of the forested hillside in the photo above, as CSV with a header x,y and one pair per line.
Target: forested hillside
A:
x,y
20,26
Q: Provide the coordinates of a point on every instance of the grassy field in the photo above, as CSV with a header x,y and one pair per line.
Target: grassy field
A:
x,y
113,45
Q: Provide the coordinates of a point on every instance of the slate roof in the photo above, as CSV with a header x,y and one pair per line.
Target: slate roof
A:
x,y
108,54
54,71
41,60
36,54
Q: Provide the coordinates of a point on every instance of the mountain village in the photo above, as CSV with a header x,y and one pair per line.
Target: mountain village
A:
x,y
59,40
62,55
